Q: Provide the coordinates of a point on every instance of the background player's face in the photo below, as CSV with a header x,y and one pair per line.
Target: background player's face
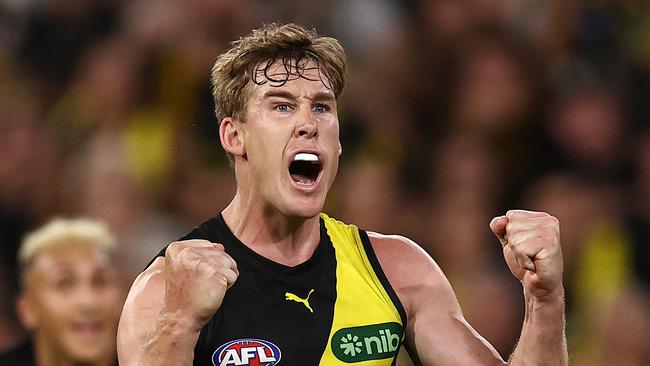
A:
x,y
282,122
72,302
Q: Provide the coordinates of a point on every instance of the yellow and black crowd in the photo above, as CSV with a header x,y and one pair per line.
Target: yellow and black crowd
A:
x,y
453,111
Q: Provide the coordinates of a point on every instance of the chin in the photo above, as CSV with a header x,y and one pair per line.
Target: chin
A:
x,y
86,352
89,355
305,211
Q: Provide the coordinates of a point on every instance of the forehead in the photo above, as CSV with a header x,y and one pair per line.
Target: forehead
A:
x,y
290,74
73,257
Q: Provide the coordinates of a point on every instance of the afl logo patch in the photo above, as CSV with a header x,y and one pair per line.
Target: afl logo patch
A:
x,y
247,352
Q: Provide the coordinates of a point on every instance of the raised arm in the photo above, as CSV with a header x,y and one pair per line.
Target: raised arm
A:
x,y
531,247
171,301
438,334
140,311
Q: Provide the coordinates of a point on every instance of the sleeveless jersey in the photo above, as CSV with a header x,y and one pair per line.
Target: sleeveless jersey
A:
x,y
337,308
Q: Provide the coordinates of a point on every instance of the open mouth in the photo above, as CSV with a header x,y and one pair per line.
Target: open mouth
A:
x,y
305,168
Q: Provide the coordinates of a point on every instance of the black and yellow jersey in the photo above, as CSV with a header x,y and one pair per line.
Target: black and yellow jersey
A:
x,y
337,308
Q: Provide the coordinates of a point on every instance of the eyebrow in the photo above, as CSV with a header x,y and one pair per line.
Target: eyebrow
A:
x,y
318,97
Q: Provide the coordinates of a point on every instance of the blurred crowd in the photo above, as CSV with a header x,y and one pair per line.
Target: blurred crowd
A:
x,y
454,111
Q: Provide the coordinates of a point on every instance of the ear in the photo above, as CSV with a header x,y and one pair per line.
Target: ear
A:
x,y
231,136
26,311
340,148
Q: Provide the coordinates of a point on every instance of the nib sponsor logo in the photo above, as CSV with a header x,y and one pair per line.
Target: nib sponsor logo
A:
x,y
370,342
247,352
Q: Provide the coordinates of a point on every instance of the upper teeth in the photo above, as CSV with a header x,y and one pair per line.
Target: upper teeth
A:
x,y
305,157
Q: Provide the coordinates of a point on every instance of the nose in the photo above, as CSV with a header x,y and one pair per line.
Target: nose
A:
x,y
91,298
87,298
307,129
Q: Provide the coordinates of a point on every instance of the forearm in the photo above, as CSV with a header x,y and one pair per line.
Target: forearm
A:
x,y
171,343
543,339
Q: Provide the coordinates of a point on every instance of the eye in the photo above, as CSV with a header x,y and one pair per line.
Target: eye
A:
x,y
103,278
282,107
320,108
64,283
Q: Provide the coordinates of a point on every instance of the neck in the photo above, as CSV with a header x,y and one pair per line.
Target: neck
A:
x,y
270,233
11,334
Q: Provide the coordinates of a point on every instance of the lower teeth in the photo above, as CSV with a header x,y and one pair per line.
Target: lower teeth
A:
x,y
302,180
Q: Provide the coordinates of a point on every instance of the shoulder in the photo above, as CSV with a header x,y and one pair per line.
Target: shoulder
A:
x,y
140,311
147,291
396,252
411,271
152,276
396,244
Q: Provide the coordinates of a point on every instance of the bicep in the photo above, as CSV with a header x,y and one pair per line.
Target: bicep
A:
x,y
140,312
449,340
438,334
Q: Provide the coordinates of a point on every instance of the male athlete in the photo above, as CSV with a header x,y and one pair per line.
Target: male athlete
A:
x,y
272,280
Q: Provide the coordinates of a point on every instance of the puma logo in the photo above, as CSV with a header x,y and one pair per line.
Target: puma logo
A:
x,y
291,297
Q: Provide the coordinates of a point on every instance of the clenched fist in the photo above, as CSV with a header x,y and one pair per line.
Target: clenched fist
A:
x,y
197,275
531,247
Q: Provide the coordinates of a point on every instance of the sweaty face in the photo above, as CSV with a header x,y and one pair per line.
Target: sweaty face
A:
x,y
73,300
291,140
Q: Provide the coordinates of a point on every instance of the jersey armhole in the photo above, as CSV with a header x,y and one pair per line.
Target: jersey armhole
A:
x,y
376,266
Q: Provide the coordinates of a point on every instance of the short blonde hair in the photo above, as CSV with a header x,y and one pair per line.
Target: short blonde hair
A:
x,y
251,55
61,231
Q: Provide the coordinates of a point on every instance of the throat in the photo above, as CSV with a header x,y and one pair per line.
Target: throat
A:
x,y
292,259
287,241
290,252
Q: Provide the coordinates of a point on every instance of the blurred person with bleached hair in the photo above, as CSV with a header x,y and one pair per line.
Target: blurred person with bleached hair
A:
x,y
70,295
